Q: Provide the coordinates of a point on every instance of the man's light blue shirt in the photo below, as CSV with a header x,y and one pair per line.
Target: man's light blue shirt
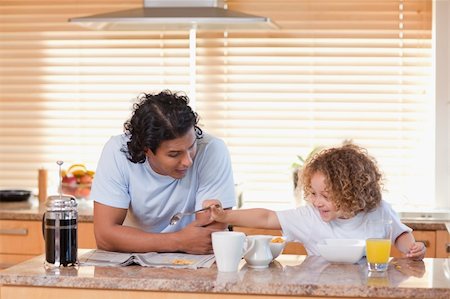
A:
x,y
151,198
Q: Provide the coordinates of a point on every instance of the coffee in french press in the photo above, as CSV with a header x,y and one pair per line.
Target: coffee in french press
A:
x,y
60,230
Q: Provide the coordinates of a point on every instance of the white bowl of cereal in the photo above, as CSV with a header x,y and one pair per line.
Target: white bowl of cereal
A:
x,y
342,250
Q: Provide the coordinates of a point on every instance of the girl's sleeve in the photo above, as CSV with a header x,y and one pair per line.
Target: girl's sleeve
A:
x,y
397,226
294,223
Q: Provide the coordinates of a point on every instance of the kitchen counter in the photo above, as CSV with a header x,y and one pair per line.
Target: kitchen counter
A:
x,y
289,275
32,210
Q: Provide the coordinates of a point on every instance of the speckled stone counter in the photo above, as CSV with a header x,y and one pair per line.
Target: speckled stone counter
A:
x,y
289,275
32,210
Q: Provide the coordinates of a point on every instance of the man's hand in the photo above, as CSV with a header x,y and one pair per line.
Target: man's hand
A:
x,y
196,238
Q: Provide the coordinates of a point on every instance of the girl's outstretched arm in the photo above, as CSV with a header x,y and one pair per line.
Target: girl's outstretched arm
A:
x,y
408,245
257,218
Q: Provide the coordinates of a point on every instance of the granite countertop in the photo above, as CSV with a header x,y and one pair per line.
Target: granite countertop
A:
x,y
288,275
32,210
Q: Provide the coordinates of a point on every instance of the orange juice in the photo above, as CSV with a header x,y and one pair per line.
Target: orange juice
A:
x,y
378,250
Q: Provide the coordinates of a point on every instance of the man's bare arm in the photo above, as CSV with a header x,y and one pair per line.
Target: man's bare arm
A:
x,y
111,235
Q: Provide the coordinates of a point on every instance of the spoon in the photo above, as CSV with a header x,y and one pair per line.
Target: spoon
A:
x,y
177,217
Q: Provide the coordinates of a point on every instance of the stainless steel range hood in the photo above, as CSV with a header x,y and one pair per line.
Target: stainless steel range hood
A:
x,y
176,15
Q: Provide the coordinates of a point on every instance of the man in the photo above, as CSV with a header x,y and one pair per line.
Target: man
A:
x,y
161,165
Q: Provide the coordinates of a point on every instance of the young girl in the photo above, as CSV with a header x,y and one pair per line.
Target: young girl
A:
x,y
343,188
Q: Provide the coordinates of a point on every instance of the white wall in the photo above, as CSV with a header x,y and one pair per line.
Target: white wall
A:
x,y
441,12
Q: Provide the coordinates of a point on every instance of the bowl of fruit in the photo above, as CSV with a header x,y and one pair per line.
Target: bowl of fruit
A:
x,y
77,181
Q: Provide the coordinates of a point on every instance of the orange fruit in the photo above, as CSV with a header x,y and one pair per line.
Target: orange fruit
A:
x,y
77,170
86,179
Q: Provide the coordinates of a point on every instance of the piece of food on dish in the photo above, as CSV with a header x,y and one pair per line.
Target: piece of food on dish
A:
x,y
277,245
277,240
182,262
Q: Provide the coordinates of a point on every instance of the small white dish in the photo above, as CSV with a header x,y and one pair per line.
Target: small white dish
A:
x,y
342,250
258,254
277,245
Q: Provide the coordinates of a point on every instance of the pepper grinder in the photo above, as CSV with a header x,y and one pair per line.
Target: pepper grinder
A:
x,y
42,185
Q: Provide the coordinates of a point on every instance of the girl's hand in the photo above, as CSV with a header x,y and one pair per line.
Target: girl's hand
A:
x,y
210,202
416,251
218,214
207,213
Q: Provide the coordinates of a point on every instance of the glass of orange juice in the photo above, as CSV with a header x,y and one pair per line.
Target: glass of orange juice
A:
x,y
378,245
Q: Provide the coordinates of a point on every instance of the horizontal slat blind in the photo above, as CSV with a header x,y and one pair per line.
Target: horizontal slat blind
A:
x,y
65,89
337,70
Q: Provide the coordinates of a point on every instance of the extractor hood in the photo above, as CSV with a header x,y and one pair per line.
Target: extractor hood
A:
x,y
176,15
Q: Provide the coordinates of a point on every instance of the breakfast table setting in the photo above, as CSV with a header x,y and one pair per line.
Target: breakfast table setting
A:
x,y
241,264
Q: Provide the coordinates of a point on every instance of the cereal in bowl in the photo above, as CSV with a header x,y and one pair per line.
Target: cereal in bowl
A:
x,y
277,240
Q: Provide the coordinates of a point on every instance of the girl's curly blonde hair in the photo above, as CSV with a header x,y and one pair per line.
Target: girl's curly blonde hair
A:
x,y
352,178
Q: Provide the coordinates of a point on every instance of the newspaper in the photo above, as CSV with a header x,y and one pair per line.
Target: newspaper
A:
x,y
99,257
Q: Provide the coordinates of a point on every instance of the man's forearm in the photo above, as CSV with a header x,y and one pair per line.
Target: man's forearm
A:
x,y
128,239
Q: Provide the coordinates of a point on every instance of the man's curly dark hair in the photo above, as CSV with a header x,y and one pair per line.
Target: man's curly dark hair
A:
x,y
157,118
351,177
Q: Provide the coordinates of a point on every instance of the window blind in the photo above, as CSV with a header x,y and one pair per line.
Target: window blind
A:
x,y
65,89
336,70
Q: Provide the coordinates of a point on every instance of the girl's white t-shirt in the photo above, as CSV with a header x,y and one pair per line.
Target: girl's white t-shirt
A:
x,y
304,225
151,198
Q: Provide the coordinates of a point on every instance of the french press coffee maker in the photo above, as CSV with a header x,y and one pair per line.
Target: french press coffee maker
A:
x,y
59,226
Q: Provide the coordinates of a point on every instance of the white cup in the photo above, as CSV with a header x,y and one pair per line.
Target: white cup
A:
x,y
228,249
